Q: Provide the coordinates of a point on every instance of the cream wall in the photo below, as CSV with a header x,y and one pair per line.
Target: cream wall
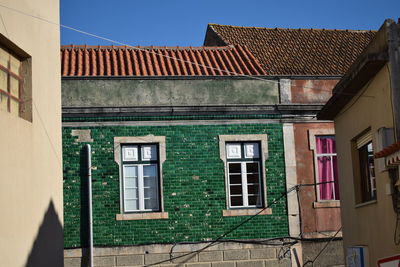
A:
x,y
30,152
371,224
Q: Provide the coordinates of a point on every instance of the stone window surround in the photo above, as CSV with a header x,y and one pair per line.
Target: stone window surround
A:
x,y
263,139
312,133
117,157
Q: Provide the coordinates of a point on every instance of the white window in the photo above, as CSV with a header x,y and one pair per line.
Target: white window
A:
x,y
244,157
140,178
244,175
140,160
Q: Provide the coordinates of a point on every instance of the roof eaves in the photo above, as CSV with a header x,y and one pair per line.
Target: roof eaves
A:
x,y
371,60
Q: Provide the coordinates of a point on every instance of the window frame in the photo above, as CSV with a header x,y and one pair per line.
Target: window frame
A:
x,y
312,135
360,142
262,139
119,142
244,180
24,78
140,163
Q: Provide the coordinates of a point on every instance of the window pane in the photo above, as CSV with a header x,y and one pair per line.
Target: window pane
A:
x,y
253,189
3,80
14,64
252,167
130,171
130,182
4,58
336,178
253,178
325,144
236,189
131,193
3,102
325,177
235,179
151,204
14,107
235,168
131,204
149,170
254,200
236,201
367,172
149,152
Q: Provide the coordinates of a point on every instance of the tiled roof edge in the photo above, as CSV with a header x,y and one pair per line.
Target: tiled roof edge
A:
x,y
289,29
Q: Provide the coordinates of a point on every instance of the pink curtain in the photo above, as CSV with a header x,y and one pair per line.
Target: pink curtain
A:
x,y
327,168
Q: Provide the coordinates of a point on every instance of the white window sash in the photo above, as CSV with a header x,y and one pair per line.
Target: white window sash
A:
x,y
140,186
243,175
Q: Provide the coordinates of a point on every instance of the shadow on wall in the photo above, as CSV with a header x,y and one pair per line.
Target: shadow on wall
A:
x,y
84,216
47,250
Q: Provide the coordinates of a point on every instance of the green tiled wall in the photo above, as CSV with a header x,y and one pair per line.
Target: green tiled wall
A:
x,y
194,205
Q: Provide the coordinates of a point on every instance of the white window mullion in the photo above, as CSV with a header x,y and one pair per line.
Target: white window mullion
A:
x,y
244,185
140,186
333,179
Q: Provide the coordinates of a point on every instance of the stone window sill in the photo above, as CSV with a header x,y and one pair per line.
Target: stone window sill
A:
x,y
245,212
327,204
142,216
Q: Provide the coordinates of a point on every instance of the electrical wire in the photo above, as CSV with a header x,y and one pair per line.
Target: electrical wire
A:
x,y
322,250
155,53
213,243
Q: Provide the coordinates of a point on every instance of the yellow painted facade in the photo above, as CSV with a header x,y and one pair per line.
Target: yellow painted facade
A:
x,y
30,151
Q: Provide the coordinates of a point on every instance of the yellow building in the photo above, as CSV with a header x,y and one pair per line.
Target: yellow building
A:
x,y
363,107
30,135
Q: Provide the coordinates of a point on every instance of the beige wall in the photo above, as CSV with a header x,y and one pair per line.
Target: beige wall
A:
x,y
373,224
30,152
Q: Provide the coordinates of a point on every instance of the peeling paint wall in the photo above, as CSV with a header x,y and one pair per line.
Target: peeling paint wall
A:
x,y
312,91
120,93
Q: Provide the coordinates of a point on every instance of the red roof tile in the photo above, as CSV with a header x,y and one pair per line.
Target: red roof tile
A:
x,y
158,61
295,51
388,150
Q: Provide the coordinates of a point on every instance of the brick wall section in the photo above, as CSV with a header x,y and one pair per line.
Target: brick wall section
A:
x,y
220,255
194,203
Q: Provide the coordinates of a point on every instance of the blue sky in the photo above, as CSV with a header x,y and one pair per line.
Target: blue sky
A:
x,y
183,23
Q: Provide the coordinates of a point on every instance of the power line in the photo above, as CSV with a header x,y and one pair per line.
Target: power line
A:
x,y
155,53
227,232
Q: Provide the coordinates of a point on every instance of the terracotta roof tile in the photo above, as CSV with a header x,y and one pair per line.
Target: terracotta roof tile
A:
x,y
295,51
158,61
388,150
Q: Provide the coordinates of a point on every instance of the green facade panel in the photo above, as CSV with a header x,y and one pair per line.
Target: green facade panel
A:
x,y
193,187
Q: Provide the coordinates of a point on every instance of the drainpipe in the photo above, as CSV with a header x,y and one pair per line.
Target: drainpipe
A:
x,y
89,165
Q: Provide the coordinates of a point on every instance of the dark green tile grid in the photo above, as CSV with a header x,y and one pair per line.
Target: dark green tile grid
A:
x,y
167,118
194,204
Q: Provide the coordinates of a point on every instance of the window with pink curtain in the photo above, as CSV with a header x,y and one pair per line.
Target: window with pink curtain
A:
x,y
328,187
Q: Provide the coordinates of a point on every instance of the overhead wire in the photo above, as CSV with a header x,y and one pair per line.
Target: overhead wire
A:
x,y
155,53
227,232
220,238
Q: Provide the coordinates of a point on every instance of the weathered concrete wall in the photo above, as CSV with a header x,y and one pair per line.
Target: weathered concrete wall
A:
x,y
30,155
311,91
112,93
219,255
332,255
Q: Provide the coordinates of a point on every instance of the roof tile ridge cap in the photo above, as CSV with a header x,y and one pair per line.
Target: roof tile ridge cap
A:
x,y
302,29
219,35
